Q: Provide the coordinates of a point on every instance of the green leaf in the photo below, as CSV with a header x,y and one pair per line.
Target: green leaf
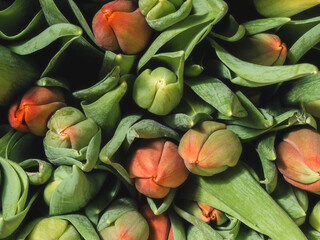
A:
x,y
263,74
186,34
46,37
304,44
37,177
261,25
119,136
177,225
164,205
207,231
218,95
148,128
82,224
238,194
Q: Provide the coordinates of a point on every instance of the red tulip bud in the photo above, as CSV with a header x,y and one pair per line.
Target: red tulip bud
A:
x,y
32,112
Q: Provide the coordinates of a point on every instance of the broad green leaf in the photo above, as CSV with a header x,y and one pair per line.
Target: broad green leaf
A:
x,y
94,92
263,74
148,128
304,44
178,228
186,34
238,194
218,95
119,136
232,31
6,132
52,82
46,37
11,190
261,25
266,147
83,226
43,173
255,118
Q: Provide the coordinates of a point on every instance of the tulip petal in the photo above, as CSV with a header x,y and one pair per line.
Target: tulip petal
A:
x,y
148,187
131,226
159,225
222,148
145,159
171,170
131,30
109,233
292,165
307,142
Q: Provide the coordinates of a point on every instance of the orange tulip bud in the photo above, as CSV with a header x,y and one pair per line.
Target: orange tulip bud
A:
x,y
155,167
32,112
298,159
119,25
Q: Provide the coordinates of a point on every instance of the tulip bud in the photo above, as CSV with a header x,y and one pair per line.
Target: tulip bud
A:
x,y
313,107
298,158
158,91
155,167
31,113
314,218
131,225
159,225
262,48
53,228
161,14
205,212
119,25
209,148
69,128
283,8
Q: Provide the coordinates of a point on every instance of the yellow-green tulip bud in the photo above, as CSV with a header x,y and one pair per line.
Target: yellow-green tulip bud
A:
x,y
314,218
283,8
157,90
53,229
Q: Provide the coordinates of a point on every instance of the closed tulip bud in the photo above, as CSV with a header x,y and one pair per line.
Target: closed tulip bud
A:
x,y
298,158
31,113
155,167
53,228
209,148
212,214
314,218
159,225
119,25
70,128
262,48
283,8
313,107
157,90
161,14
131,225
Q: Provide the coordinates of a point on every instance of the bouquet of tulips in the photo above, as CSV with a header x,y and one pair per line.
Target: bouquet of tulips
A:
x,y
159,119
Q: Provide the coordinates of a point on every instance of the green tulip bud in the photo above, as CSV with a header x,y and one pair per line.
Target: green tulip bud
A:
x,y
53,229
158,91
161,14
314,218
72,138
70,189
69,128
283,8
130,225
262,48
